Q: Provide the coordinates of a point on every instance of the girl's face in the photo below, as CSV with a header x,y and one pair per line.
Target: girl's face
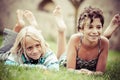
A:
x,y
92,31
33,48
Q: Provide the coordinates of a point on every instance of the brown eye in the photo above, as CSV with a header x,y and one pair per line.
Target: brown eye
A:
x,y
37,45
30,48
90,27
99,27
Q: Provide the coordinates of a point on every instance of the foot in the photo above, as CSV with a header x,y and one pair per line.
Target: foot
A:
x,y
30,17
115,21
20,22
20,17
59,19
114,24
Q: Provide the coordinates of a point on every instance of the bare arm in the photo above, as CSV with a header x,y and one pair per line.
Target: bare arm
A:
x,y
71,54
103,56
114,24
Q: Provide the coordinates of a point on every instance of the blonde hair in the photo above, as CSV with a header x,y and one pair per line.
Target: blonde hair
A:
x,y
19,45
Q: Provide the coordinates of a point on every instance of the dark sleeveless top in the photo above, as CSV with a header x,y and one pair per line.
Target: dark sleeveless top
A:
x,y
91,64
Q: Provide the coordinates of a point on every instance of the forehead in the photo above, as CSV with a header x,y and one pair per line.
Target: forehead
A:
x,y
96,21
30,41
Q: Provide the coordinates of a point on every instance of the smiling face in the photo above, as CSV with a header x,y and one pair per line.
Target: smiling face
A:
x,y
92,31
33,48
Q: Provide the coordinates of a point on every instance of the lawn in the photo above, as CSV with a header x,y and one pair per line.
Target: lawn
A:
x,y
22,73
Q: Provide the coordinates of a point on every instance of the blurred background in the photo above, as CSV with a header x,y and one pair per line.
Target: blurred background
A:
x,y
42,9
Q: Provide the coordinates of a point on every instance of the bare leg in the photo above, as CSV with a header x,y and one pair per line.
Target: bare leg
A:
x,y
20,22
30,17
114,24
61,41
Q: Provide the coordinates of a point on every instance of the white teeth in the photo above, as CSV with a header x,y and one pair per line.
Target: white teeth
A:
x,y
94,35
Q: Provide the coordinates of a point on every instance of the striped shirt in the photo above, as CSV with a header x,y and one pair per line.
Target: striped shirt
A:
x,y
48,61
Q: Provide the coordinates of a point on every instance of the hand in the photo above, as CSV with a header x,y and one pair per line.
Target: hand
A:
x,y
81,71
86,71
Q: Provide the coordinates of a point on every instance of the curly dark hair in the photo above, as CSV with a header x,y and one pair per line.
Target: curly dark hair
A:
x,y
91,13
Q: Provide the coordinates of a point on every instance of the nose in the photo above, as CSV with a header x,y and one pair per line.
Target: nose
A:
x,y
35,50
94,31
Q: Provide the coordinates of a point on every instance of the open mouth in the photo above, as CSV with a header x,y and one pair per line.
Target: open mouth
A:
x,y
94,36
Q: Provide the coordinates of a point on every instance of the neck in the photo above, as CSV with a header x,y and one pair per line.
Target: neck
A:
x,y
32,61
88,44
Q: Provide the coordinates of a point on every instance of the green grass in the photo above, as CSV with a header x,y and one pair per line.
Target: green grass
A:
x,y
22,73
1,39
18,73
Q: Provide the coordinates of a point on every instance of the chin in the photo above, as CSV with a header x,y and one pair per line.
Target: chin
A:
x,y
93,40
35,58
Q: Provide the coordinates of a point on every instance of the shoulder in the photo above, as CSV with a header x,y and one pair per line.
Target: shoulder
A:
x,y
104,40
48,53
12,57
75,37
49,56
15,58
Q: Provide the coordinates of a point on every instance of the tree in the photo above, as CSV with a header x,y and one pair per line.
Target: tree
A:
x,y
44,3
76,4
